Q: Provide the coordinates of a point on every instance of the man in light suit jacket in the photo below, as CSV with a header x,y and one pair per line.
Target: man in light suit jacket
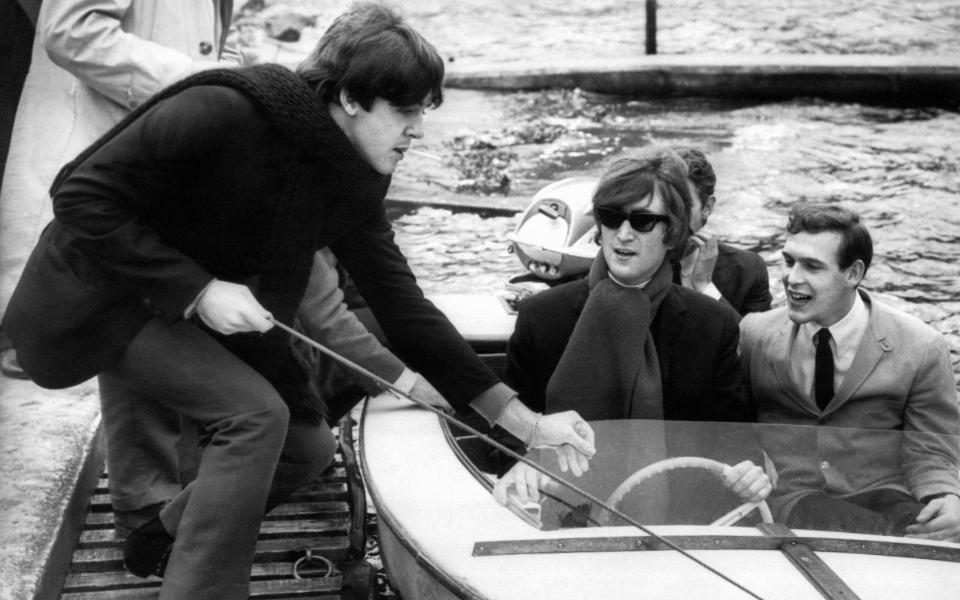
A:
x,y
870,407
730,275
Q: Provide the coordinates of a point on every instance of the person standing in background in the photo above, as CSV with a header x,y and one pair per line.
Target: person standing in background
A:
x,y
730,275
18,19
93,62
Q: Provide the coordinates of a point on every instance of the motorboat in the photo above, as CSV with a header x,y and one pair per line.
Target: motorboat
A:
x,y
442,534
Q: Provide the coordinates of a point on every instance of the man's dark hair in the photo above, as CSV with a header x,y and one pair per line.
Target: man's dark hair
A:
x,y
815,218
371,52
699,171
635,178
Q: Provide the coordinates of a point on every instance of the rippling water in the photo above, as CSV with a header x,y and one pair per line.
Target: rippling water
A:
x,y
898,167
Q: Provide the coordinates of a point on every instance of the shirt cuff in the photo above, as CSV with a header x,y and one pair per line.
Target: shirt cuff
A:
x,y
930,497
192,307
712,291
490,403
406,381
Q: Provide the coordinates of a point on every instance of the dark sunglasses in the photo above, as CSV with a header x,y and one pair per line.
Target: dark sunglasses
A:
x,y
640,221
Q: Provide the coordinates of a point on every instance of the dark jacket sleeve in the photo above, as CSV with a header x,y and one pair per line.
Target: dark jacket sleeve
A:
x,y
728,388
108,201
418,332
522,372
758,298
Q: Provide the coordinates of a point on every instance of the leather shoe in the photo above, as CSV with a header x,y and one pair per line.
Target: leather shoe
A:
x,y
147,550
9,365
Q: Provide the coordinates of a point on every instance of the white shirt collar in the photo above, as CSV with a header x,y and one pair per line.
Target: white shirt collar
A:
x,y
845,333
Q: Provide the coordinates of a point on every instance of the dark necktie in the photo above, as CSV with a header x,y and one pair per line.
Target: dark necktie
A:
x,y
823,372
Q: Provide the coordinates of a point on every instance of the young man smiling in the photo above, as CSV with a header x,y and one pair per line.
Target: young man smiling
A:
x,y
187,230
876,383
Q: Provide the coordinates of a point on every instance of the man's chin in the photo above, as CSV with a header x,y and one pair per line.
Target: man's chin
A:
x,y
797,314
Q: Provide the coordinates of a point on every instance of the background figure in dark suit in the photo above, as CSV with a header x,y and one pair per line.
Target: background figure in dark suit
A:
x,y
721,271
626,342
188,229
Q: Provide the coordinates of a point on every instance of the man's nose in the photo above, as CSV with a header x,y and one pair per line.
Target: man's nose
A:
x,y
792,274
625,231
415,129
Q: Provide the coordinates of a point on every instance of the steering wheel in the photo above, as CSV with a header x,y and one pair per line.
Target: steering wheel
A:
x,y
685,462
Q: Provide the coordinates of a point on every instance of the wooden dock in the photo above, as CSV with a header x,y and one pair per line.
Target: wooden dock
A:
x,y
866,78
326,517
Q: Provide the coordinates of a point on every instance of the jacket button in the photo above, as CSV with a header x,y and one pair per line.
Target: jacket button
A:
x,y
206,48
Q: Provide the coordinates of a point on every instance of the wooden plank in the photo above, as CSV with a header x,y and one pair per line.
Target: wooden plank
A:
x,y
851,78
326,491
290,528
334,547
291,510
113,580
325,588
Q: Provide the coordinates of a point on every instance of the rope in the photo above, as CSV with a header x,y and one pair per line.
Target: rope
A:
x,y
389,387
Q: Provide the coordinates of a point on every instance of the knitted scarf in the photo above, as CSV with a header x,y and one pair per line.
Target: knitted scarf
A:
x,y
283,97
610,369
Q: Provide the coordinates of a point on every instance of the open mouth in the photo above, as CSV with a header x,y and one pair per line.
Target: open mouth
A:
x,y
624,252
798,298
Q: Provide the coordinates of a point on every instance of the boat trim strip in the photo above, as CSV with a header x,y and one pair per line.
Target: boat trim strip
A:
x,y
715,542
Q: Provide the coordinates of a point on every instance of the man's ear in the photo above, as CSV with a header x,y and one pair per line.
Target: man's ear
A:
x,y
855,272
708,204
349,105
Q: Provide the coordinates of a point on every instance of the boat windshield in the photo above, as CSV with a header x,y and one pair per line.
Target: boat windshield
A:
x,y
671,472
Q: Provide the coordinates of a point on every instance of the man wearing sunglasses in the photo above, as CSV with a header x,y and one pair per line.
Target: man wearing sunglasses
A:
x,y
728,274
626,342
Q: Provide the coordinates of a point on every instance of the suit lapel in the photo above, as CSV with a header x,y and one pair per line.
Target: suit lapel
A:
x,y
871,350
779,363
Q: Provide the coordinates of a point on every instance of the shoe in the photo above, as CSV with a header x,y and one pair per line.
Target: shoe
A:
x,y
147,550
126,521
9,365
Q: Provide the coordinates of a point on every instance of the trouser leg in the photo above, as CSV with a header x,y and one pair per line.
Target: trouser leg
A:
x,y
245,423
879,512
308,450
141,437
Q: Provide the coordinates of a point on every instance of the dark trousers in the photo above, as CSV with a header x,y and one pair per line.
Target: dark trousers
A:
x,y
252,455
878,512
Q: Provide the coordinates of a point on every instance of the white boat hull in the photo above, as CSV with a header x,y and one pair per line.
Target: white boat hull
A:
x,y
433,511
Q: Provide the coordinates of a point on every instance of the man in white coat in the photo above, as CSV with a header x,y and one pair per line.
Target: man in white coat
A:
x,y
93,62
